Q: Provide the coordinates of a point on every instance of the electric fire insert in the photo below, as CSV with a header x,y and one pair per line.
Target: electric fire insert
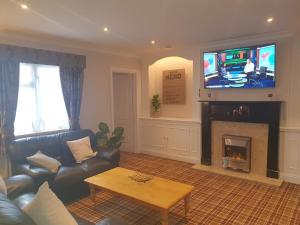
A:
x,y
237,152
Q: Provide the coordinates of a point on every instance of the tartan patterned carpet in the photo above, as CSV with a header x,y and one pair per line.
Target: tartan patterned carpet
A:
x,y
216,199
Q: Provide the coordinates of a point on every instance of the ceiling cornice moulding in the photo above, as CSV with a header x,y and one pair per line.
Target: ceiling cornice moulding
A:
x,y
19,40
274,36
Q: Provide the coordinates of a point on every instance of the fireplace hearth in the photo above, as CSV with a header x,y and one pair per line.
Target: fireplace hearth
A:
x,y
237,153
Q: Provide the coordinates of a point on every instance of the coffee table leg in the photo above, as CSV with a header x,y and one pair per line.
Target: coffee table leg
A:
x,y
165,217
187,204
93,194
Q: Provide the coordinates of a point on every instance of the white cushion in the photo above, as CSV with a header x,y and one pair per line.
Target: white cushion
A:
x,y
3,186
81,149
41,160
47,209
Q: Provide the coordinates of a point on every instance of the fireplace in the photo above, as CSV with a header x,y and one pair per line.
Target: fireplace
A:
x,y
262,112
237,153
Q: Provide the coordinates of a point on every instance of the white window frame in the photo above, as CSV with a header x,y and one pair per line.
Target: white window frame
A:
x,y
33,85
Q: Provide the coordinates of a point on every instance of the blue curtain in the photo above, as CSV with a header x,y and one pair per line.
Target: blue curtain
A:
x,y
71,79
71,72
9,86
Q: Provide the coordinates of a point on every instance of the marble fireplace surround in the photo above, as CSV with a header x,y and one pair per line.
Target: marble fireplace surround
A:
x,y
260,121
259,143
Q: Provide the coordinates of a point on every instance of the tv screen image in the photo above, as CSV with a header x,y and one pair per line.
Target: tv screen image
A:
x,y
247,67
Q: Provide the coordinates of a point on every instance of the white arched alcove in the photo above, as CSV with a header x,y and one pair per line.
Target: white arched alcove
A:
x,y
155,72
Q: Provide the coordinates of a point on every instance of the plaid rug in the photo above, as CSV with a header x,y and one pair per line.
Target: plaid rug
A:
x,y
216,199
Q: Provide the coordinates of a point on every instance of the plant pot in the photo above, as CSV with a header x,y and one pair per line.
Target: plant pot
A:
x,y
155,114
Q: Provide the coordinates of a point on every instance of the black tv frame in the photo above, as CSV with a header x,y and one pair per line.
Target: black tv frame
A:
x,y
232,88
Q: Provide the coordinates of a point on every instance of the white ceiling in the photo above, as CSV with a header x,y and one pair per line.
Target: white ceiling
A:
x,y
134,23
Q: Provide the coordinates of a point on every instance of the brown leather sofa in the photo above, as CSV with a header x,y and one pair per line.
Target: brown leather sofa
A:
x,y
68,183
20,191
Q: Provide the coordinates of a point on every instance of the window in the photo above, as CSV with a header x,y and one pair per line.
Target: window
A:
x,y
41,106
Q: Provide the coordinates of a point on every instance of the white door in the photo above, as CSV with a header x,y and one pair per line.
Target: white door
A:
x,y
124,113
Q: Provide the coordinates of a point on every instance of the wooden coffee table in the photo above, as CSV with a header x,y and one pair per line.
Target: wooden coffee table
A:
x,y
158,193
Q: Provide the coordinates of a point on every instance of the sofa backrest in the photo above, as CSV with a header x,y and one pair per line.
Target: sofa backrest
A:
x,y
20,148
53,145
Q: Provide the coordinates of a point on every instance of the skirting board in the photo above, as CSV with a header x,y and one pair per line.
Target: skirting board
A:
x,y
170,156
247,176
292,178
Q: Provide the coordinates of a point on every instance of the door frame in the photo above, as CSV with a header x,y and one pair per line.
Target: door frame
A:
x,y
136,101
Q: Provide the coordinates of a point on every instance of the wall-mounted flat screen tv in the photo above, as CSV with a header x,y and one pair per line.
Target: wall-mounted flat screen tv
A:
x,y
247,67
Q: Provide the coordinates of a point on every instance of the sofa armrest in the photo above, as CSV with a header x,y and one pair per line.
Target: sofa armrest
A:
x,y
38,174
112,156
18,185
11,214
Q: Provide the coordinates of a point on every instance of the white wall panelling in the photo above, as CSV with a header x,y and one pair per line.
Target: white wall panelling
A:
x,y
290,155
174,139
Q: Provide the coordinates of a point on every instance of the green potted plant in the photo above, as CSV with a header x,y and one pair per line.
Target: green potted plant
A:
x,y
109,140
155,105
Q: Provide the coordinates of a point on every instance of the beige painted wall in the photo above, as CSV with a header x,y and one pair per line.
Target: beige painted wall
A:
x,y
293,104
155,85
96,99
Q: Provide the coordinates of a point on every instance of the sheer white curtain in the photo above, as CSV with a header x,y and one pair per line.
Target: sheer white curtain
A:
x,y
41,106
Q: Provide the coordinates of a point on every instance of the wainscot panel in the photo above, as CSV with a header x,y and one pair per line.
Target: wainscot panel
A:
x,y
290,154
171,138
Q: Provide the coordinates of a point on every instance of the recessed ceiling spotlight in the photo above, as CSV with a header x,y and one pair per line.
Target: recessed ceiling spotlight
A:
x,y
153,42
105,29
23,6
269,20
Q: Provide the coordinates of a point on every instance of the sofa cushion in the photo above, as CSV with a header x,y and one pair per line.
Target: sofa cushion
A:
x,y
67,176
39,159
23,200
18,185
47,209
81,149
39,175
95,166
10,214
67,156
